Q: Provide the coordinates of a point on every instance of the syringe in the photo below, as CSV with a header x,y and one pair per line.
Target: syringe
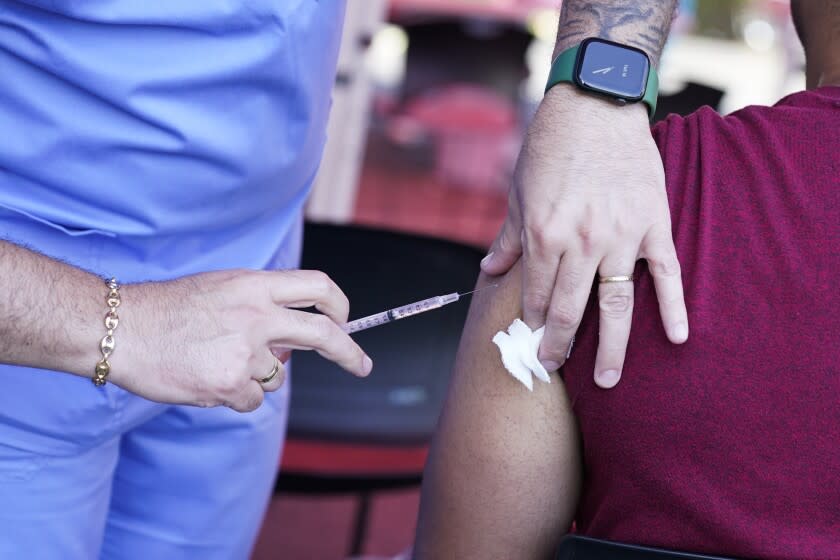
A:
x,y
405,311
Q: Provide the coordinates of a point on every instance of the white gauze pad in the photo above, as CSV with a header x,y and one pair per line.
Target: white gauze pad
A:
x,y
519,346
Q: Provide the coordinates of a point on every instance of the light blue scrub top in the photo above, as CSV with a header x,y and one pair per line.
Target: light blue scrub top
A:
x,y
151,139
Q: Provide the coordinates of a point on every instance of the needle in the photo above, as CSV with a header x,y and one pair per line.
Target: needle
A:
x,y
478,290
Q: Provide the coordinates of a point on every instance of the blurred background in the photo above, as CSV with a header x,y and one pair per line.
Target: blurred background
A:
x,y
429,109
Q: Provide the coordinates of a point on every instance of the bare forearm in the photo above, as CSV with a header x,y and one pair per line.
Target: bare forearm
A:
x,y
49,312
207,339
642,23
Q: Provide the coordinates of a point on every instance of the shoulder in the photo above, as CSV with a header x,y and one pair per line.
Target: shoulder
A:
x,y
705,151
750,126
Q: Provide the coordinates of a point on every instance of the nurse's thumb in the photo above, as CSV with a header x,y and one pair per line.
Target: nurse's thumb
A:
x,y
505,251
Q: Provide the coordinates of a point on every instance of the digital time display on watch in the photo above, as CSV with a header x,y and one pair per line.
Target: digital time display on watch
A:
x,y
612,69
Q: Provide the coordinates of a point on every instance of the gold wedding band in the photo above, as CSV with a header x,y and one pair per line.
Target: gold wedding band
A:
x,y
611,279
274,371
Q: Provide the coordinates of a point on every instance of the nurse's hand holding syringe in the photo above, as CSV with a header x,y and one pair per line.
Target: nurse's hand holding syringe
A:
x,y
210,339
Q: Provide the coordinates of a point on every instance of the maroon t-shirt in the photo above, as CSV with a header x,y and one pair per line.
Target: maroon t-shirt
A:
x,y
730,443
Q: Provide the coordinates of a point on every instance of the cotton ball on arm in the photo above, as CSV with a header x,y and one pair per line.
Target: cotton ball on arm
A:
x,y
519,347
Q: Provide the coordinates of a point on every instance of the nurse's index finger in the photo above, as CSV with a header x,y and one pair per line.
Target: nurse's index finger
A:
x,y
309,288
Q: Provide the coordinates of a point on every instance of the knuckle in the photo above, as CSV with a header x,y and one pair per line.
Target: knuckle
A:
x,y
623,225
234,375
590,236
316,280
543,236
616,305
321,282
536,302
666,266
243,280
589,227
563,317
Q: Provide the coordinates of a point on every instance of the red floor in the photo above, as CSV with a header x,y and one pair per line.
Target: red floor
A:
x,y
408,200
320,528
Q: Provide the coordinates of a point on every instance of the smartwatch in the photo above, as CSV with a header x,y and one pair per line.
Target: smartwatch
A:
x,y
617,71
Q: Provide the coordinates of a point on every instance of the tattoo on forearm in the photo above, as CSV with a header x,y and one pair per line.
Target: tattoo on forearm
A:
x,y
641,23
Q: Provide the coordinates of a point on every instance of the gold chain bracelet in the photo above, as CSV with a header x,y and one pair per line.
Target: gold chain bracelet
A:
x,y
107,344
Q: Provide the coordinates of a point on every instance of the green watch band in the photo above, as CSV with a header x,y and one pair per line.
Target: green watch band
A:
x,y
563,70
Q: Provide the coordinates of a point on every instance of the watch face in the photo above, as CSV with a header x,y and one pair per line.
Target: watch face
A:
x,y
616,70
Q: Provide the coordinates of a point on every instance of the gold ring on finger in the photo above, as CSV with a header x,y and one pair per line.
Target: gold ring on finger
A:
x,y
612,279
274,371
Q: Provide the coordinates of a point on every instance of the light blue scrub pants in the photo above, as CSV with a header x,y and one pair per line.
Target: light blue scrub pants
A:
x,y
89,472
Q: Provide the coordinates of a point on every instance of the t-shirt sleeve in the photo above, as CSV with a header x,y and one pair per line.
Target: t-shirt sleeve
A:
x,y
680,140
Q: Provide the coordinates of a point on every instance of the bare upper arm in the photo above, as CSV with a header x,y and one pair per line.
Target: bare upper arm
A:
x,y
503,474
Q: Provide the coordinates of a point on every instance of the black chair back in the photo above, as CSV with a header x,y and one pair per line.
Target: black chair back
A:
x,y
400,401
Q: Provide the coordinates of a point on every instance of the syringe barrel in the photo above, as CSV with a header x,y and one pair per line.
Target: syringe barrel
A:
x,y
367,322
421,306
399,313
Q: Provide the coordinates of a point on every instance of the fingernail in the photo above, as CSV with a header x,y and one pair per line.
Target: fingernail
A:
x,y
680,331
367,363
486,260
608,379
550,365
